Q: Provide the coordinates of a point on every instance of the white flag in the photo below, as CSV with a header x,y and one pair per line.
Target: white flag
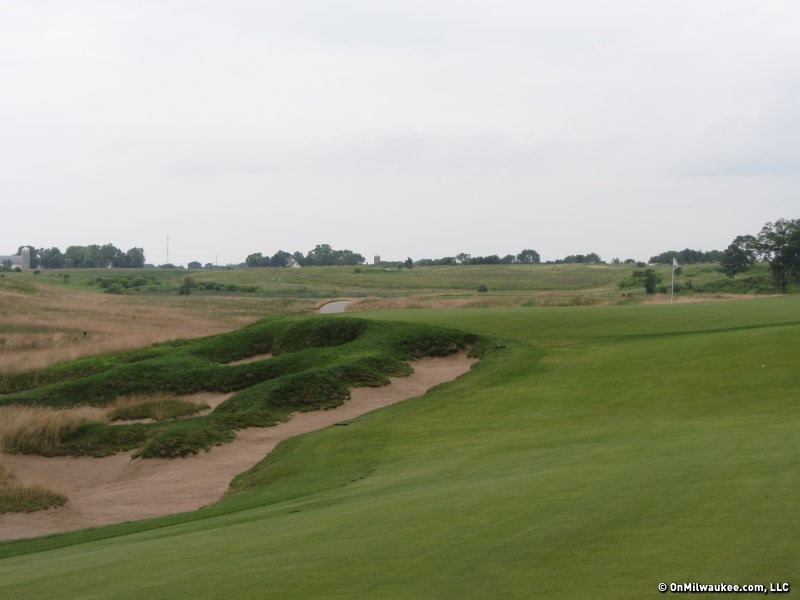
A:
x,y
675,264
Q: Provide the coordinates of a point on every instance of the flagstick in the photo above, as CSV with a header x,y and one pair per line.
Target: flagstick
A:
x,y
672,295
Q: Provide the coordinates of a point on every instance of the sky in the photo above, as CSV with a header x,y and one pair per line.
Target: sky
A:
x,y
397,127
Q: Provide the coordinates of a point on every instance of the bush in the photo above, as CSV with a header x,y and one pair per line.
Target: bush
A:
x,y
482,288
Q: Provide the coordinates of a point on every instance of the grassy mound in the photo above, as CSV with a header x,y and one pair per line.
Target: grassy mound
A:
x,y
25,498
163,409
28,499
315,361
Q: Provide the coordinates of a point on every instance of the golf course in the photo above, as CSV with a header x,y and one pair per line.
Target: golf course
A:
x,y
591,452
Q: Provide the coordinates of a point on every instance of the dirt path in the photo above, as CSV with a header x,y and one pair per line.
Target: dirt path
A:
x,y
334,307
115,489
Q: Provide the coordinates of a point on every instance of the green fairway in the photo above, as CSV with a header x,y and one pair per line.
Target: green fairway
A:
x,y
601,452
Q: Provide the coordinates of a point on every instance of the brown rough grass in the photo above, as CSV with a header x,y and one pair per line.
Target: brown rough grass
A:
x,y
28,494
39,430
47,327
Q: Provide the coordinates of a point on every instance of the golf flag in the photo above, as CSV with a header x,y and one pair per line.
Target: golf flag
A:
x,y
675,264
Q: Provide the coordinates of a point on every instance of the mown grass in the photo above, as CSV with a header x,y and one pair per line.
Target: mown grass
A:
x,y
602,451
315,363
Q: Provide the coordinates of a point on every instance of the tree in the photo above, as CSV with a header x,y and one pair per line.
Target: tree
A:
x,y
739,256
256,260
280,259
347,257
408,264
299,258
186,287
135,258
529,257
651,280
51,258
779,243
195,265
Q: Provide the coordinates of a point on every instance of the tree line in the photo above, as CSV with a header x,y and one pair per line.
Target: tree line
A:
x,y
778,243
321,256
79,257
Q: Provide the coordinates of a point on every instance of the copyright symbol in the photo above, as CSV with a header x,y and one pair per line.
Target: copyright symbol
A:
x,y
662,587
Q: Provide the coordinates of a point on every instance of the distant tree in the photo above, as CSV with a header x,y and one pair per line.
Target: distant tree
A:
x,y
299,258
186,287
195,265
135,258
347,257
256,260
651,280
321,256
739,256
508,259
492,259
105,255
408,264
208,266
593,258
779,243
167,266
529,257
572,258
462,258
280,259
51,258
686,257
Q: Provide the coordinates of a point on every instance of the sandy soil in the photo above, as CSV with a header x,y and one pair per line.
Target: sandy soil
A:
x,y
334,307
115,489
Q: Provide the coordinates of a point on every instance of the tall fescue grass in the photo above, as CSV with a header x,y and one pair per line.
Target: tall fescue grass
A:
x,y
27,495
47,326
40,430
158,407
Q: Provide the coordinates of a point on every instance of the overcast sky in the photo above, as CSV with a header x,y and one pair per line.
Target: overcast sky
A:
x,y
397,127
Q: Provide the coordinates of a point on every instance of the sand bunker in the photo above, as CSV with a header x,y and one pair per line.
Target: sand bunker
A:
x,y
115,489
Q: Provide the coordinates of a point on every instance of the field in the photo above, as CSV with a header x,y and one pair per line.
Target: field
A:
x,y
602,450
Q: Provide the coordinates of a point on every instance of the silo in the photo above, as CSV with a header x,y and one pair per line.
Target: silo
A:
x,y
377,259
26,259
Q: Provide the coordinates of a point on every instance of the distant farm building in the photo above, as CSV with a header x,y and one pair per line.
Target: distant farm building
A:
x,y
23,262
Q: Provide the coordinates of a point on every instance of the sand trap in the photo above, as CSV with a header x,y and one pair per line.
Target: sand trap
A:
x,y
115,489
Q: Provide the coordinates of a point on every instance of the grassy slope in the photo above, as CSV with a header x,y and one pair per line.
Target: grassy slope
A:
x,y
327,281
604,451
